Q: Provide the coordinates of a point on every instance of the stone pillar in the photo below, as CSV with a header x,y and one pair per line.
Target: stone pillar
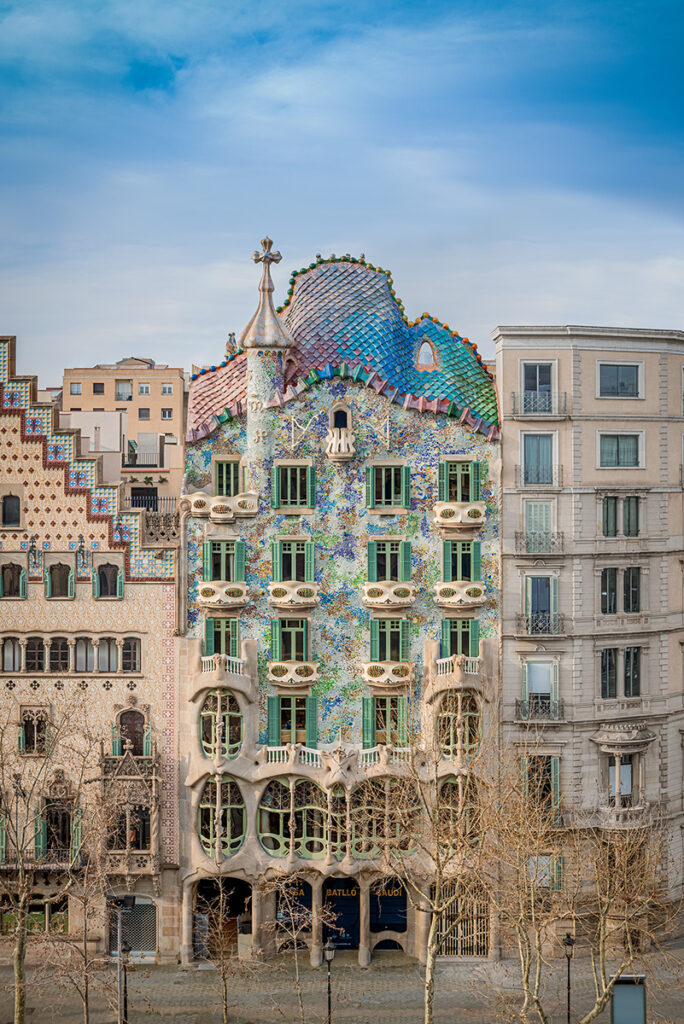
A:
x,y
22,654
72,654
119,654
186,951
316,922
96,654
364,923
263,920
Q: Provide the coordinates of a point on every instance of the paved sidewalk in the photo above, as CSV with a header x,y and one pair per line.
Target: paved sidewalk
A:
x,y
389,992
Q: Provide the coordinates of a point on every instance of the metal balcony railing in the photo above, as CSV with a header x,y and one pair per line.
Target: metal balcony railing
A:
x,y
539,542
539,403
151,503
532,475
541,624
142,457
539,708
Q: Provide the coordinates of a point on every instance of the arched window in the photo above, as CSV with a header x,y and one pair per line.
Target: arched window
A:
x,y
458,812
426,357
132,728
130,656
132,829
57,818
11,510
459,724
12,580
35,654
34,730
107,655
11,655
107,580
60,581
274,819
222,796
220,708
85,655
310,816
337,839
341,419
59,654
367,819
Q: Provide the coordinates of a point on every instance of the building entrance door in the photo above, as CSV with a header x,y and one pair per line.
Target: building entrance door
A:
x,y
220,911
138,929
341,896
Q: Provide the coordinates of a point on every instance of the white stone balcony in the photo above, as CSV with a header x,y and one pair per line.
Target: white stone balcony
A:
x,y
388,673
293,594
224,510
388,594
294,753
459,594
459,515
293,673
339,444
453,673
383,755
222,663
222,594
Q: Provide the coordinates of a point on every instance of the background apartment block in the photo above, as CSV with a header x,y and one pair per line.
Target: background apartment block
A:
x,y
592,554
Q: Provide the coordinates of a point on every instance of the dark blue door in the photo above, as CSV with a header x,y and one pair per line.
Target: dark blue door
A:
x,y
341,896
388,907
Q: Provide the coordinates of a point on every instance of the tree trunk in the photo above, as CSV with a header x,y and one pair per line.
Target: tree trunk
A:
x,y
86,999
430,963
224,994
19,959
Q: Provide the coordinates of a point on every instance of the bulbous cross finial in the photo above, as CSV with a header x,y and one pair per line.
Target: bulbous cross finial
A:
x,y
267,257
265,329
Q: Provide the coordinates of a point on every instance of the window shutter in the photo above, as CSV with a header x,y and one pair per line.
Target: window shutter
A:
x,y
234,642
446,561
76,829
405,567
277,561
47,582
368,722
3,839
555,784
370,486
311,722
95,582
273,721
1,593
21,739
239,561
311,486
375,640
553,590
71,584
404,640
406,486
442,481
22,583
206,561
557,873
474,638
554,689
275,486
208,637
524,686
309,561
446,638
120,583
524,778
116,742
476,485
147,741
528,595
372,561
305,623
402,721
276,640
476,561
39,836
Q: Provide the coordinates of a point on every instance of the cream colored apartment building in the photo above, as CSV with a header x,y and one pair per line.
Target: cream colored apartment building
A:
x,y
592,565
151,398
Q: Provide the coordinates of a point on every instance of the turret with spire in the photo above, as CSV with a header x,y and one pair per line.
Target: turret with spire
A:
x,y
265,329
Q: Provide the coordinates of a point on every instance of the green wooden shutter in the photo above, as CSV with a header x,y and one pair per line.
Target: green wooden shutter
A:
x,y
368,722
305,624
147,741
372,561
402,721
442,481
476,486
1,593
524,684
276,640
555,784
311,722
309,561
47,582
474,638
76,831
234,642
277,561
554,687
370,486
22,583
404,640
528,595
206,561
557,873
120,583
208,637
553,599
406,486
446,638
446,561
273,721
375,640
3,838
275,486
476,561
71,584
21,739
116,742
405,567
95,582
39,836
239,551
311,486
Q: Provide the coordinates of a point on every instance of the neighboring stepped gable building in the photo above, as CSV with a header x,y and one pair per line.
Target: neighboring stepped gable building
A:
x,y
87,615
592,553
340,559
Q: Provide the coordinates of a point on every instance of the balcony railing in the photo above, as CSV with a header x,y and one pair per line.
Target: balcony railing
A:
x,y
459,515
382,754
218,662
293,673
150,503
388,594
339,444
293,594
539,542
388,673
459,594
538,403
222,594
538,476
141,457
539,708
305,756
541,624
458,663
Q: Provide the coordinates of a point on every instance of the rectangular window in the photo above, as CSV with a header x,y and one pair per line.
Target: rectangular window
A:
x,y
293,720
167,389
293,560
228,478
124,391
167,414
460,636
543,780
293,486
633,589
538,458
630,516
609,673
618,381
75,387
143,389
632,671
619,451
608,591
222,636
386,560
625,780
541,604
224,560
98,388
390,721
537,387
389,640
388,486
538,533
610,512
539,684
461,560
143,414
293,640
459,481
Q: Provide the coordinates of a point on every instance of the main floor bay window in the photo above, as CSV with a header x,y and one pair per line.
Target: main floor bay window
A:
x,y
221,817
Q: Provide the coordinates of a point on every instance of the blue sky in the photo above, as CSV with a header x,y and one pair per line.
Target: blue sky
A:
x,y
509,162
